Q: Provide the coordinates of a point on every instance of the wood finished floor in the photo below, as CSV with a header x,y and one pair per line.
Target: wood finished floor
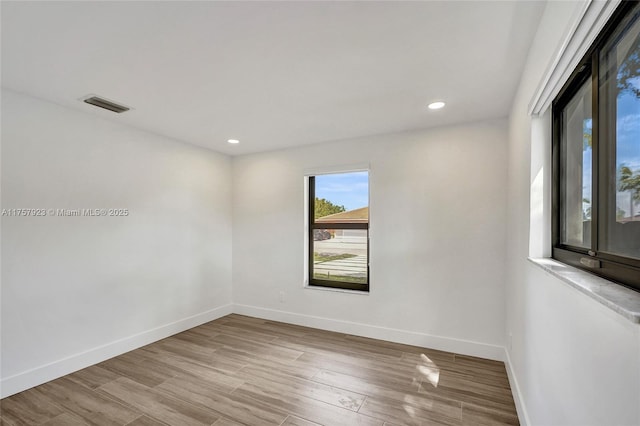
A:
x,y
239,370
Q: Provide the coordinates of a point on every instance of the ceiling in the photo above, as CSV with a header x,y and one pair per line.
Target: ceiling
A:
x,y
272,74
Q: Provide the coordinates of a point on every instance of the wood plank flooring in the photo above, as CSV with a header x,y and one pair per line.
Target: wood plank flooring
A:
x,y
239,370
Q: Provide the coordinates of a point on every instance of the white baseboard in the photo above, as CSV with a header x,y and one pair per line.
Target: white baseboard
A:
x,y
459,346
34,377
37,376
523,416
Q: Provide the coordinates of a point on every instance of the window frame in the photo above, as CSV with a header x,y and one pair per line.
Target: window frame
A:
x,y
623,270
312,225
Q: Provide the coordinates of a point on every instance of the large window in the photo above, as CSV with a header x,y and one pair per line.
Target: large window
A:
x,y
339,230
597,156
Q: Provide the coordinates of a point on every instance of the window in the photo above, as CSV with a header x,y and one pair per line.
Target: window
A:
x,y
339,230
596,156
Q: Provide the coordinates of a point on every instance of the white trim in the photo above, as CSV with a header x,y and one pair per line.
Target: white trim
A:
x,y
39,375
342,168
305,234
622,300
589,19
459,346
518,399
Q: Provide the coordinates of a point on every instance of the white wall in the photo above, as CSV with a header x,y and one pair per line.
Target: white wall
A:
x,y
438,211
574,361
77,290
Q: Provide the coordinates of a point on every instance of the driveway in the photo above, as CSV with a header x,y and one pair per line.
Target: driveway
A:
x,y
355,267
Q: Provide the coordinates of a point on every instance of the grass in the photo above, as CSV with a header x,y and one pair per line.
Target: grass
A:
x,y
326,257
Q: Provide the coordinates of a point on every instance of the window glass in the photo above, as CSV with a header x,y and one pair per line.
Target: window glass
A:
x,y
620,135
341,255
340,192
576,156
596,156
339,238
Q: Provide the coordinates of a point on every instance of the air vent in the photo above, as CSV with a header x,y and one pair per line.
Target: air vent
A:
x,y
103,103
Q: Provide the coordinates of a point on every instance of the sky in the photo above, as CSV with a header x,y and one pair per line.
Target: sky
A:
x,y
350,190
628,131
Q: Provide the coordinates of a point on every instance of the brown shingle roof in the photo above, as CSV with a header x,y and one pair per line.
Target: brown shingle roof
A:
x,y
360,215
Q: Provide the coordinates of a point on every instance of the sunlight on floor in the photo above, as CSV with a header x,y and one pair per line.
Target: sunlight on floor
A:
x,y
409,410
423,402
429,371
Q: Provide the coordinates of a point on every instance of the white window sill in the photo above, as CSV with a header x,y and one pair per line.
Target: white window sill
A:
x,y
622,300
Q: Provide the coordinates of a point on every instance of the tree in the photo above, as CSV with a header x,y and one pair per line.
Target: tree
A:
x,y
586,213
325,207
587,137
630,181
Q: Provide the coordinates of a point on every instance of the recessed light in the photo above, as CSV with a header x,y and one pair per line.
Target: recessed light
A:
x,y
436,105
234,141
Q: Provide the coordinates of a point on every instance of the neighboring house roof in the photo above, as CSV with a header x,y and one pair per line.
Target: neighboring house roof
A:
x,y
360,215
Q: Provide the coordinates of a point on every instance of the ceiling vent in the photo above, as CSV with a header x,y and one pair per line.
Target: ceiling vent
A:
x,y
105,104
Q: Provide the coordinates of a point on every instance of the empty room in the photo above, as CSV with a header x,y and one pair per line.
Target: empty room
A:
x,y
309,213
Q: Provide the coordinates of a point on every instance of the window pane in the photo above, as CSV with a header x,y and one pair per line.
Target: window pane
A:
x,y
342,192
340,255
620,115
339,233
576,155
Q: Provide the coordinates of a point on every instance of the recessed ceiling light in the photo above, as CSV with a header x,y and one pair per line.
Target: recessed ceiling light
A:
x,y
234,141
436,105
